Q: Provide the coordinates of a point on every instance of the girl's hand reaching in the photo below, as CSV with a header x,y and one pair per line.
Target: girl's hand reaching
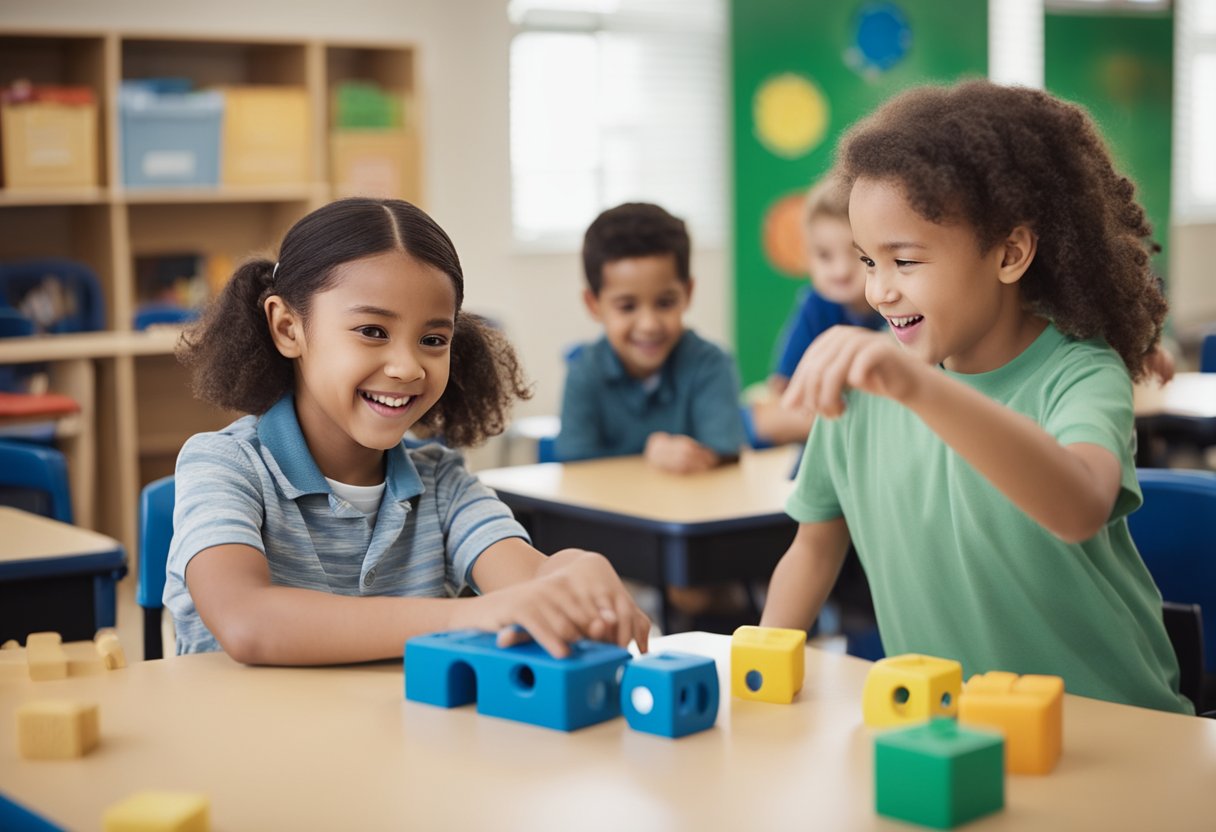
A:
x,y
849,356
576,594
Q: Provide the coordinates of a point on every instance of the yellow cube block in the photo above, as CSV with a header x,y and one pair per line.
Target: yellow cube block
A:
x,y
911,688
1028,710
56,730
45,656
767,663
159,812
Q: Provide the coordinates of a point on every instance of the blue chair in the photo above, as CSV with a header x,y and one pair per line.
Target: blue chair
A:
x,y
1175,531
35,478
1207,354
155,532
15,325
152,314
84,309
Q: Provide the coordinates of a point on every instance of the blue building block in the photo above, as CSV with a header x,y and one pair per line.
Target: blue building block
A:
x,y
523,682
938,774
670,694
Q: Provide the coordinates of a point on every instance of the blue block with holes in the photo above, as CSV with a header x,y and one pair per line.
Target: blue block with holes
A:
x,y
523,682
670,694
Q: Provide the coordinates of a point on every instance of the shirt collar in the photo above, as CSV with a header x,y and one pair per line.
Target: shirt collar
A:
x,y
614,371
279,432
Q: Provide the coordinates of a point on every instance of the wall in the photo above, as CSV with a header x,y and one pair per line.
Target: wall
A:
x,y
816,42
463,48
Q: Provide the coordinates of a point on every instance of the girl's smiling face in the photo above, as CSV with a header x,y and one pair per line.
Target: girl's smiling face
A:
x,y
370,359
947,301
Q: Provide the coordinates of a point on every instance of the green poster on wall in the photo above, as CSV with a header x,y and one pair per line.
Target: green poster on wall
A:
x,y
802,73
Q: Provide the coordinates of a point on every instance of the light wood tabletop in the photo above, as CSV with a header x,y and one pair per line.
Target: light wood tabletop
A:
x,y
26,536
340,748
757,485
1187,395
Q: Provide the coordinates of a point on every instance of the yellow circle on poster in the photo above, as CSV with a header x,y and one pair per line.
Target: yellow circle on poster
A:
x,y
791,114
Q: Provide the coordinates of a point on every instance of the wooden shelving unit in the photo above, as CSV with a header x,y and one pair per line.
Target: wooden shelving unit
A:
x,y
142,410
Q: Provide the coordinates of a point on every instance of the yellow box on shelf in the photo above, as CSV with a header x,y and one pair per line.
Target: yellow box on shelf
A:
x,y
49,145
265,136
376,162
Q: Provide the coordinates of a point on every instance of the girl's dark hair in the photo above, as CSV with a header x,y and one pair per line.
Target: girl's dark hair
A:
x,y
997,157
237,366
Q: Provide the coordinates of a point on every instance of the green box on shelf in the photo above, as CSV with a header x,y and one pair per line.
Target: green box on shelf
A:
x,y
938,774
364,105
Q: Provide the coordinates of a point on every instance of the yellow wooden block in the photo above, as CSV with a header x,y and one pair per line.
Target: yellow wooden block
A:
x,y
767,663
11,644
111,649
159,812
911,688
45,656
56,730
1028,710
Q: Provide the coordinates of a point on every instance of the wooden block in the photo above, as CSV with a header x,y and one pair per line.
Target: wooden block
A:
x,y
111,649
159,812
45,656
56,730
11,644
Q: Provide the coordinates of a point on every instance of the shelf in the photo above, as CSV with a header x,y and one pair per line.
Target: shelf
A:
x,y
206,196
62,196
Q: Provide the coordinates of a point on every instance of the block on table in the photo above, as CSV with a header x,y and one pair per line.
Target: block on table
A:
x,y
938,774
767,663
523,682
56,730
110,649
901,690
670,694
1028,710
159,811
45,656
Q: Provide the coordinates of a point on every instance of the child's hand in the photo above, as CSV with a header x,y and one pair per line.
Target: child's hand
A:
x,y
577,595
849,356
1160,365
678,454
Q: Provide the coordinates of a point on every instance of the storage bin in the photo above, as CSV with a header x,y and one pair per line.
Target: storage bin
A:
x,y
49,144
375,163
265,136
170,139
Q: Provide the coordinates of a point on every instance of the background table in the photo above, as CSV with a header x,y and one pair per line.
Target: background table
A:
x,y
662,529
340,748
1183,411
54,576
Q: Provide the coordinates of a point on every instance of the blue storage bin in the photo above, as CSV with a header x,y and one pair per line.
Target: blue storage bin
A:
x,y
169,139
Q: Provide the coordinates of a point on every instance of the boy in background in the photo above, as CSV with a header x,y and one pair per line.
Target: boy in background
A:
x,y
650,386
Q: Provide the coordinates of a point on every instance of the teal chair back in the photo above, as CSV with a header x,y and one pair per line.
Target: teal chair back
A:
x,y
35,478
155,533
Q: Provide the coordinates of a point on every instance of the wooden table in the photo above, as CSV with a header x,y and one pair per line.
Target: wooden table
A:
x,y
54,576
340,748
1182,411
662,529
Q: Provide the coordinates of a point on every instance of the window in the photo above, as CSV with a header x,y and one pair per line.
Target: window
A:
x,y
1195,111
615,101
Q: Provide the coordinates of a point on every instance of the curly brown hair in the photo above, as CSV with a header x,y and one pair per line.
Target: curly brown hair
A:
x,y
996,157
236,365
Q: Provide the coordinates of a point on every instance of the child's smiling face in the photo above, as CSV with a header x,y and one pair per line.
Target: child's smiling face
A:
x,y
641,304
371,359
835,269
945,299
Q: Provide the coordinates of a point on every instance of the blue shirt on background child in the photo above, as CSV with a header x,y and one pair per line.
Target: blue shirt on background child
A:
x,y
812,316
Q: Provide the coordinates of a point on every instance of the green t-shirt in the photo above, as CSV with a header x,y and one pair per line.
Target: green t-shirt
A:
x,y
958,571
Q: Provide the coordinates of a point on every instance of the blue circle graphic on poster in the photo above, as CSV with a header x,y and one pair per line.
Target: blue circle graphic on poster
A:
x,y
881,39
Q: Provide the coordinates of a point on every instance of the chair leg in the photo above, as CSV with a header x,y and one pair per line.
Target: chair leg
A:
x,y
153,649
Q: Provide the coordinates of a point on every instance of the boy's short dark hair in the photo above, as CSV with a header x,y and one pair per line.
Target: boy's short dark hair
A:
x,y
634,229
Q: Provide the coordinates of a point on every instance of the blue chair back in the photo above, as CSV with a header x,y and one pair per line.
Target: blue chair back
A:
x,y
35,478
155,533
1175,531
1207,354
83,309
15,325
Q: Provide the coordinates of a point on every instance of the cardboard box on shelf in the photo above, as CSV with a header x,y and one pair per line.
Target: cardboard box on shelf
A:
x,y
377,163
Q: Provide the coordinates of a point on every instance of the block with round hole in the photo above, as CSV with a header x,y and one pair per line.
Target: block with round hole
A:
x,y
767,663
523,683
1028,710
938,773
670,694
900,690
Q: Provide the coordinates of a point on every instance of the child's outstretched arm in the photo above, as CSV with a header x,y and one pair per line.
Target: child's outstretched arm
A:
x,y
1068,489
805,575
571,595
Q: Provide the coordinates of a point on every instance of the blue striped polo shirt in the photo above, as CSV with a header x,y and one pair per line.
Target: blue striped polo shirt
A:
x,y
255,483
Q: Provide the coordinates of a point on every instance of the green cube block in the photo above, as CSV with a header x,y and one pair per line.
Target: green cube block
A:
x,y
938,774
